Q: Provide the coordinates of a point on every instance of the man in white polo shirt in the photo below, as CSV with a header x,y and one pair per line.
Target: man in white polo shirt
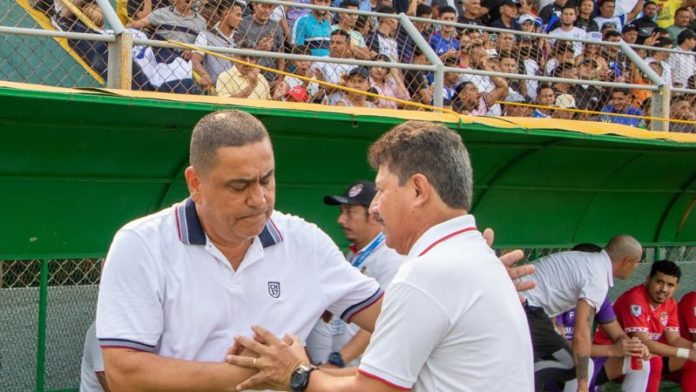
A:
x,y
568,280
451,320
178,285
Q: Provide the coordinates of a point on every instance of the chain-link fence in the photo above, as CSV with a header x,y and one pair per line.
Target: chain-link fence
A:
x,y
278,50
46,307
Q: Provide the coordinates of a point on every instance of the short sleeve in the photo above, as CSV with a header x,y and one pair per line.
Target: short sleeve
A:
x,y
347,290
427,324
605,314
594,290
129,308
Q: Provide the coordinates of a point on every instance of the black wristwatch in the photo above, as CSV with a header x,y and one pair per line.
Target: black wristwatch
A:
x,y
336,359
299,380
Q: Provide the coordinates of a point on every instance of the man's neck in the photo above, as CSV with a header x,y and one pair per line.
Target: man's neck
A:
x,y
446,34
261,22
567,27
361,243
226,30
385,31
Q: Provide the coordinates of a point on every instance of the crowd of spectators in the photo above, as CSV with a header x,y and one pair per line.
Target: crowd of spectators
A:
x,y
278,29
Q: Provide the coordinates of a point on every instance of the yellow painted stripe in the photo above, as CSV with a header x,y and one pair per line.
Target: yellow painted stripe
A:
x,y
524,123
46,24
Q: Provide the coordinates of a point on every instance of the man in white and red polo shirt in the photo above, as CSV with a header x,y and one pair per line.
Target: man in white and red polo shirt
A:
x,y
649,312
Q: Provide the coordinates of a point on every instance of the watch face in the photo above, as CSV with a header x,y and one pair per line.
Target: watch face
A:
x,y
297,379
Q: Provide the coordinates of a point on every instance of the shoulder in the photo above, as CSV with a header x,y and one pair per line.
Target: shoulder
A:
x,y
294,228
152,224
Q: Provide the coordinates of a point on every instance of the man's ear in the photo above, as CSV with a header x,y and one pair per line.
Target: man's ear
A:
x,y
421,187
193,182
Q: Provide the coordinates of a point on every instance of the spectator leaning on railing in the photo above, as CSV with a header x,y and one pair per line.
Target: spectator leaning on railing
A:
x,y
178,22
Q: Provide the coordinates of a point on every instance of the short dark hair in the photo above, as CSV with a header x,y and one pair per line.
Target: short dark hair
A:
x,y
611,33
224,128
682,9
587,247
350,3
225,5
647,3
569,7
619,90
423,9
447,9
385,10
432,150
601,2
341,32
666,267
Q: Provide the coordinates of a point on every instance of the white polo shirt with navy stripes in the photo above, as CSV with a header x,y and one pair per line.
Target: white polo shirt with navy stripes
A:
x,y
167,289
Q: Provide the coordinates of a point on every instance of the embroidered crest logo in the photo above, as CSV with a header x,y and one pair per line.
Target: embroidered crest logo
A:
x,y
274,289
636,310
663,319
355,190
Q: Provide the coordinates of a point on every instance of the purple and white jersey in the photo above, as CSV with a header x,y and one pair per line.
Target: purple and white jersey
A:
x,y
605,315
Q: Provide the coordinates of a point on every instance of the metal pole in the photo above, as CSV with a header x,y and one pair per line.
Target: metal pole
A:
x,y
659,107
641,64
120,66
111,17
41,332
430,54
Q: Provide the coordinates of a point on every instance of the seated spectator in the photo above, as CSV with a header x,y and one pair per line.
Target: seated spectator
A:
x,y
180,22
505,43
479,59
564,101
334,72
681,109
209,67
469,100
682,21
404,42
358,78
642,95
508,14
565,71
567,30
620,103
526,22
662,57
264,34
683,65
160,69
563,52
313,30
294,94
593,52
243,80
616,60
287,83
585,13
470,14
629,33
420,90
508,64
546,98
346,22
138,9
517,110
587,97
646,23
450,82
388,82
382,40
445,42
94,53
529,53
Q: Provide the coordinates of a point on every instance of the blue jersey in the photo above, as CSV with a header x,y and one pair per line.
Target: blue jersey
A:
x,y
630,121
308,30
441,45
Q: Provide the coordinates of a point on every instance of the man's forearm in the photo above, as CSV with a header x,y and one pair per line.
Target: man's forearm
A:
x,y
131,370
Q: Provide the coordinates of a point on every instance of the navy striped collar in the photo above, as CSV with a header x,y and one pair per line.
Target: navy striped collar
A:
x,y
191,231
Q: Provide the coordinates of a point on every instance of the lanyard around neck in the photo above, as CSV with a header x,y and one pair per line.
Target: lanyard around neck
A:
x,y
360,258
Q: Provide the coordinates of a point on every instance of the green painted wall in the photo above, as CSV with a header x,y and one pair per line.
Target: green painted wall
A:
x,y
75,167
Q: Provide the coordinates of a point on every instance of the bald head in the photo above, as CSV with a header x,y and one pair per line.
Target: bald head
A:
x,y
623,246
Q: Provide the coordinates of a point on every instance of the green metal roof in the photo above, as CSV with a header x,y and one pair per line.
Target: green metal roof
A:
x,y
74,167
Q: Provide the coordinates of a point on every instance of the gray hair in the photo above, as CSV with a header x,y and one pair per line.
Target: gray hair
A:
x,y
622,246
432,150
225,128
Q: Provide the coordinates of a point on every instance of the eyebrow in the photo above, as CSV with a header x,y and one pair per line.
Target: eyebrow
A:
x,y
245,181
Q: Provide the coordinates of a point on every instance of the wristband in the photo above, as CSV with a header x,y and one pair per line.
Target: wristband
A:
x,y
683,353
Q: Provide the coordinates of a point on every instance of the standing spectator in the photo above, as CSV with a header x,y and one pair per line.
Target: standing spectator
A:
x,y
334,72
346,22
471,15
607,14
264,34
382,40
568,30
646,23
550,13
508,14
682,20
404,42
313,30
649,312
620,103
180,22
683,65
388,82
546,98
242,80
662,57
585,15
222,35
444,42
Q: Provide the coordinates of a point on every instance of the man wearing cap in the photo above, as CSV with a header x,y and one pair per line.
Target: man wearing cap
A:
x,y
335,341
508,13
683,65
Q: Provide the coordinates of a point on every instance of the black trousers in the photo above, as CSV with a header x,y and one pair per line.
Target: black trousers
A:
x,y
553,359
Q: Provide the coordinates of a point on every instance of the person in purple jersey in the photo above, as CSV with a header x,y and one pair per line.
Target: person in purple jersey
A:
x,y
608,362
